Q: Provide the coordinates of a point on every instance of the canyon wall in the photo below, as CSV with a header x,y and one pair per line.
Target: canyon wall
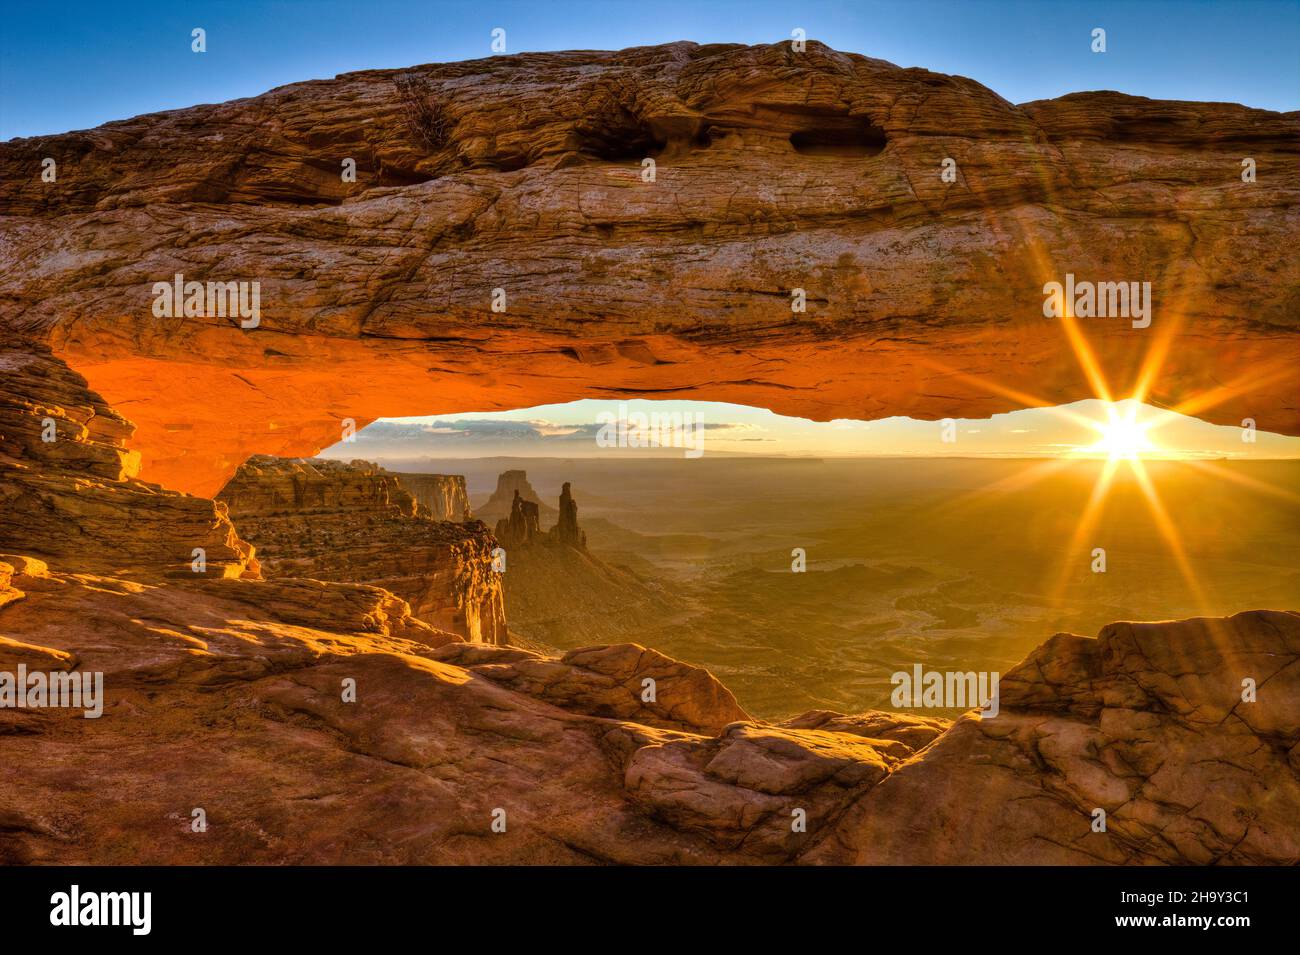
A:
x,y
69,488
331,520
443,496
269,486
775,172
224,688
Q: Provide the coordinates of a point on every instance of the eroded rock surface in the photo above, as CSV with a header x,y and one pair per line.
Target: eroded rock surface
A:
x,y
231,693
443,495
69,486
501,503
228,694
622,681
357,522
522,527
222,696
566,530
1147,722
775,171
560,594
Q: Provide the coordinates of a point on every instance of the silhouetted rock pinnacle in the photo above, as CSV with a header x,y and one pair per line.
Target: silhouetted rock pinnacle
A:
x,y
566,531
523,526
501,503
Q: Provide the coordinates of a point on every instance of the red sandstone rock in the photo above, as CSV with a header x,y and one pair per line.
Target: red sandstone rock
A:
x,y
775,171
76,496
1146,722
357,522
224,690
610,681
443,496
226,694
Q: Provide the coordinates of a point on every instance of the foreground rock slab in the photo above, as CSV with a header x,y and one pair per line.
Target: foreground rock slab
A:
x,y
230,696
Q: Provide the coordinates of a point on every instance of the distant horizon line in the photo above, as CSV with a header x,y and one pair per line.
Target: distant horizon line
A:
x,y
1007,456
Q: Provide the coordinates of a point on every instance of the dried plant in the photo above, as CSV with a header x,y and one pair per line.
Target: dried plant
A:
x,y
426,117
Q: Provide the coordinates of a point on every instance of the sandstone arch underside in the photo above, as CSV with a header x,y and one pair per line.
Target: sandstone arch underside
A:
x,y
773,171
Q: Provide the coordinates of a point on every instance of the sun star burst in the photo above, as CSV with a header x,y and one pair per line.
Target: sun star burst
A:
x,y
1122,436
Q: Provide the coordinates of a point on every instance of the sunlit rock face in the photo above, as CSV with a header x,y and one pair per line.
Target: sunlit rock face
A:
x,y
69,489
608,681
1151,723
774,171
356,522
236,687
443,496
231,688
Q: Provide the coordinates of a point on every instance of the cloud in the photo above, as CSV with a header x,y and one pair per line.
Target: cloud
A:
x,y
407,437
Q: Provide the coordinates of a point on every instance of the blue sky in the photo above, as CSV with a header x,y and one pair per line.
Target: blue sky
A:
x,y
76,64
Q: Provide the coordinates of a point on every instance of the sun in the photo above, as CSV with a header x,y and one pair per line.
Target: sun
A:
x,y
1122,436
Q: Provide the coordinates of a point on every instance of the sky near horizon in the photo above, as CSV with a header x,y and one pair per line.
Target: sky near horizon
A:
x,y
80,64
571,430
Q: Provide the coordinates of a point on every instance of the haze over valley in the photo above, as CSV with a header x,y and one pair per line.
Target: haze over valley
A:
x,y
959,564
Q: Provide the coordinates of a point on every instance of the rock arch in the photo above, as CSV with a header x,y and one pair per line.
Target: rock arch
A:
x,y
923,297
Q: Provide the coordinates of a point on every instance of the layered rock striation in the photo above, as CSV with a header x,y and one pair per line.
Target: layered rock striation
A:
x,y
356,522
69,487
776,171
443,496
305,715
228,694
